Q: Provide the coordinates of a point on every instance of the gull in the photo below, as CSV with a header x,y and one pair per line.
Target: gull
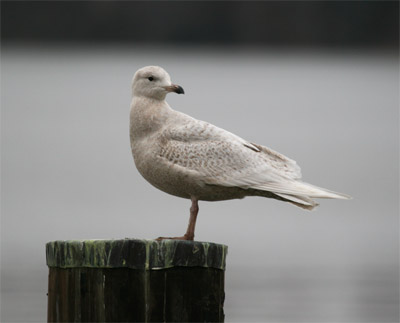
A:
x,y
196,160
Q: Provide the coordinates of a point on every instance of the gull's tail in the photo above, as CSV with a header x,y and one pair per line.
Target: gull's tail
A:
x,y
301,194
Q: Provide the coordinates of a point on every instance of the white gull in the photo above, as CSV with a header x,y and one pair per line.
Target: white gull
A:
x,y
196,160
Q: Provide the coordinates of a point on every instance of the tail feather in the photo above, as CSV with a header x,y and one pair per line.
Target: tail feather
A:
x,y
300,189
300,201
299,193
320,192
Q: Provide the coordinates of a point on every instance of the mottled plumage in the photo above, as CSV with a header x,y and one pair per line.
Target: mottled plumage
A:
x,y
194,159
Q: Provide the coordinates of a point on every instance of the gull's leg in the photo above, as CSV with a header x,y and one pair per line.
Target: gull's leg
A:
x,y
194,210
189,235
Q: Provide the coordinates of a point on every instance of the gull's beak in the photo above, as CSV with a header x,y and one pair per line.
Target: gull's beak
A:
x,y
175,88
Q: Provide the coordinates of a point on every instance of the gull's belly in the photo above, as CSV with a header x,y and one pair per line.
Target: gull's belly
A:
x,y
161,175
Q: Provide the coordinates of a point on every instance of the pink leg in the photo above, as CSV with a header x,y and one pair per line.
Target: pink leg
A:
x,y
189,235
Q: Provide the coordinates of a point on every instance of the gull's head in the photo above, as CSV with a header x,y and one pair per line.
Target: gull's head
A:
x,y
153,82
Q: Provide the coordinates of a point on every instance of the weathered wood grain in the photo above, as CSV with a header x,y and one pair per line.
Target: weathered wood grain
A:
x,y
135,281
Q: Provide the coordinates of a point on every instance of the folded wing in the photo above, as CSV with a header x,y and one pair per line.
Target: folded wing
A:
x,y
224,159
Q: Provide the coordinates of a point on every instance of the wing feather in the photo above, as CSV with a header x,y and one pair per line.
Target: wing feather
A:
x,y
218,157
222,158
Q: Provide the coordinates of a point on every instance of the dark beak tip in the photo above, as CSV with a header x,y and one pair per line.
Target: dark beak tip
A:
x,y
180,90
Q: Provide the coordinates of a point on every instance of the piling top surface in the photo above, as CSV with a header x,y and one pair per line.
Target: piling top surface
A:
x,y
135,253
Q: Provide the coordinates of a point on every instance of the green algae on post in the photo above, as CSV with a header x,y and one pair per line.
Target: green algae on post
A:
x,y
135,253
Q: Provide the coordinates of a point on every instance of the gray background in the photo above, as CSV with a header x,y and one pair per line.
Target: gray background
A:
x,y
67,170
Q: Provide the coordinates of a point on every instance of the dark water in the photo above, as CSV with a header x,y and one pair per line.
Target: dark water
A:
x,y
67,173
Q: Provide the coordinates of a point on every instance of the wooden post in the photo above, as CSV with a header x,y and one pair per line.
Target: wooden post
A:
x,y
133,280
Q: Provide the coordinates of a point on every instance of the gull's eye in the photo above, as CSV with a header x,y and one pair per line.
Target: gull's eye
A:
x,y
150,78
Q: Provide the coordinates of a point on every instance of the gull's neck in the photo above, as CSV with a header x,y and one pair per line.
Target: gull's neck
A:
x,y
147,116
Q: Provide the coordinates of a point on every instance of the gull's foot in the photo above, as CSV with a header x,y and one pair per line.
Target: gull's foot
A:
x,y
185,237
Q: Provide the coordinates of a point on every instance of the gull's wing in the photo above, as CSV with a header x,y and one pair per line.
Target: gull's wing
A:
x,y
222,158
